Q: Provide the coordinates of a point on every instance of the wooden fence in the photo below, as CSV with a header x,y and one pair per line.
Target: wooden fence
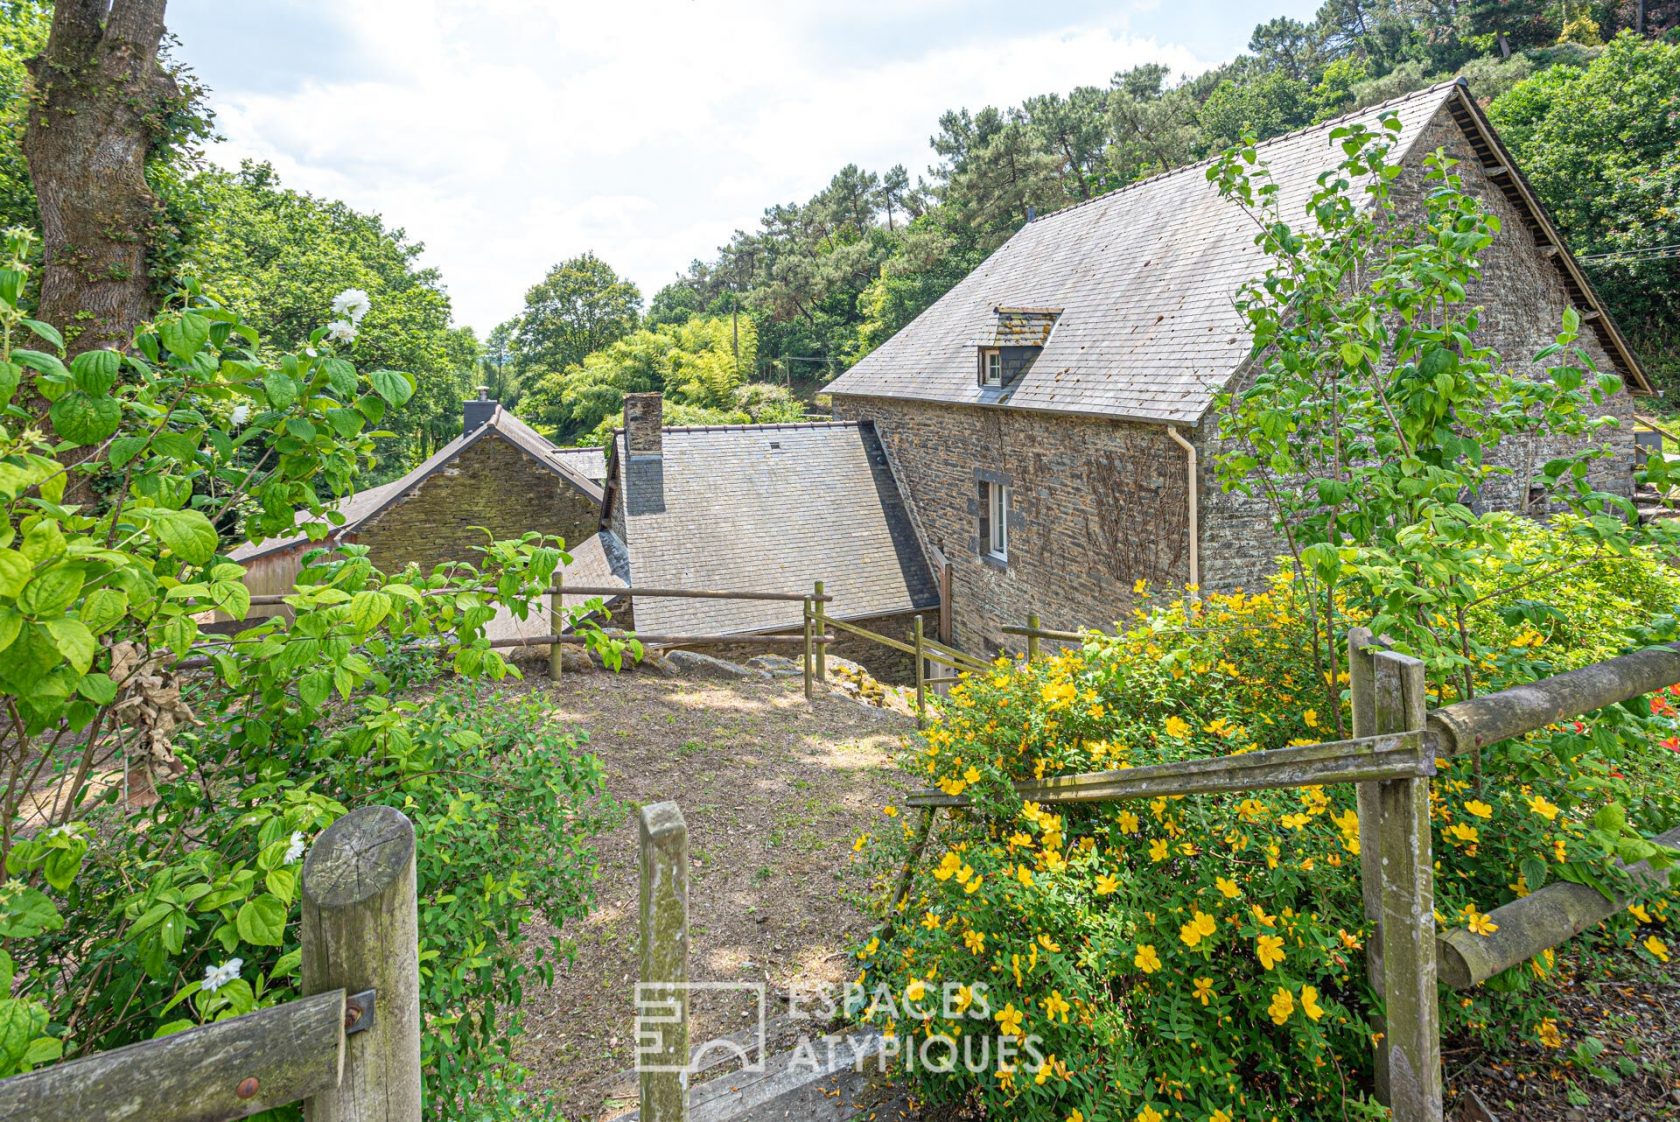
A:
x,y
349,1050
1391,757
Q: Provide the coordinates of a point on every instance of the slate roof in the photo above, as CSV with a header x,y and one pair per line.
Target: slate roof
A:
x,y
363,505
768,508
1146,277
591,463
1023,327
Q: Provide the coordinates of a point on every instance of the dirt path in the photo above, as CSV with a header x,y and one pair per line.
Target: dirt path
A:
x,y
774,791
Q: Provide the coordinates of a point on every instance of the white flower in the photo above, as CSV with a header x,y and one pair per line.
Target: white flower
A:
x,y
215,977
352,303
295,850
68,829
341,331
241,414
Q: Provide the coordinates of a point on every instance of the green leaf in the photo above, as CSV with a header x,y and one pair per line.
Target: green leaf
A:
x,y
62,865
10,376
26,912
184,334
20,1023
393,386
103,608
262,921
40,362
341,376
45,331
1534,871
82,419
51,591
282,883
97,688
368,609
280,388
95,372
188,534
125,448
10,624
74,641
14,572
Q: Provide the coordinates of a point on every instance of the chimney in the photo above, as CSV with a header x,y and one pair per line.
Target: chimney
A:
x,y
477,411
644,416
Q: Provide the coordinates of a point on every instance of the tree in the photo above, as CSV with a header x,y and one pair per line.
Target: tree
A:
x,y
97,108
278,256
1617,200
677,302
581,306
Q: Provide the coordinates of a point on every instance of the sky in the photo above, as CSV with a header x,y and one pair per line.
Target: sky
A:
x,y
509,135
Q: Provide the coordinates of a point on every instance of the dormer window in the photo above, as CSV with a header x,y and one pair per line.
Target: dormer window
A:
x,y
991,367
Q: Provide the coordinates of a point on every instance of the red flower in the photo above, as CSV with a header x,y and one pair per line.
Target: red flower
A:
x,y
1672,744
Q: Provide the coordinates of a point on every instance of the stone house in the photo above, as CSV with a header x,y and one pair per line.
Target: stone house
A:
x,y
499,474
1048,420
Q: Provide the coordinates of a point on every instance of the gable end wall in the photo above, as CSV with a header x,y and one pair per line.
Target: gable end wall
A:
x,y
493,484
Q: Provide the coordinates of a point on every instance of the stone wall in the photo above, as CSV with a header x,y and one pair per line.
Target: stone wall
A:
x,y
1096,506
493,484
1523,298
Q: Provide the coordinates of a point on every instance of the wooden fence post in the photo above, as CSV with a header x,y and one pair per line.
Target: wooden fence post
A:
x,y
1362,648
820,612
556,625
662,989
1411,1044
1032,636
921,675
810,657
360,931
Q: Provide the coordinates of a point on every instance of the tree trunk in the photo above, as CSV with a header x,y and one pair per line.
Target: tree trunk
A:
x,y
98,99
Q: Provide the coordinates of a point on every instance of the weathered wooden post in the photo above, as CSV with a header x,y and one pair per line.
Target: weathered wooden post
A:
x,y
556,627
1032,636
1410,1048
810,657
921,676
1362,648
360,931
820,610
662,991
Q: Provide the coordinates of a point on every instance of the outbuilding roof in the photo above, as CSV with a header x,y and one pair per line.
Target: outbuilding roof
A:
x,y
363,505
767,508
1144,279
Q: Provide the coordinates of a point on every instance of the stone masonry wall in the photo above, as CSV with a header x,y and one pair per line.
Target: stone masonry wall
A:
x,y
1096,506
492,483
1523,299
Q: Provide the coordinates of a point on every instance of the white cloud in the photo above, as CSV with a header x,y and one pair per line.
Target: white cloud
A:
x,y
511,134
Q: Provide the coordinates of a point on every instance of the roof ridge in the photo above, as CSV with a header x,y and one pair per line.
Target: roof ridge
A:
x,y
1271,140
768,426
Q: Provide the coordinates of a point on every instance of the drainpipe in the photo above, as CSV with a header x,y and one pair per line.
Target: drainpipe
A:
x,y
1195,507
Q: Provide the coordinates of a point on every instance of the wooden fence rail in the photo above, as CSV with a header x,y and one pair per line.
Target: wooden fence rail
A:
x,y
350,1050
1391,757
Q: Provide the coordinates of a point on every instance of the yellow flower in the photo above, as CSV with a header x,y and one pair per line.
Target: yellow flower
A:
x,y
975,941
862,840
915,991
890,811
1024,875
1657,947
1539,805
1283,1004
1309,1002
1478,808
1227,887
1203,990
1158,850
1178,728
1478,922
1549,1034
1128,822
1559,851
1638,912
1201,926
1269,950
1310,718
1107,885
972,775
1219,1116
1009,1020
1056,1006
1146,959
1149,1114
1460,832
1295,821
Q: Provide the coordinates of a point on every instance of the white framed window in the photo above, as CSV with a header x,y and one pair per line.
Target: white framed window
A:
x,y
994,520
991,367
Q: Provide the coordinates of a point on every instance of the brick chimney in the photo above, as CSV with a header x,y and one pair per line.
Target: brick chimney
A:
x,y
644,416
477,411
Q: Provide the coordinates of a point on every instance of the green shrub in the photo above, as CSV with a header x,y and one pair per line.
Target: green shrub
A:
x,y
1204,957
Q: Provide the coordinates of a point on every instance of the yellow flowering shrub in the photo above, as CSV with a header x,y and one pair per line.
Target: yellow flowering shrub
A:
x,y
1203,957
